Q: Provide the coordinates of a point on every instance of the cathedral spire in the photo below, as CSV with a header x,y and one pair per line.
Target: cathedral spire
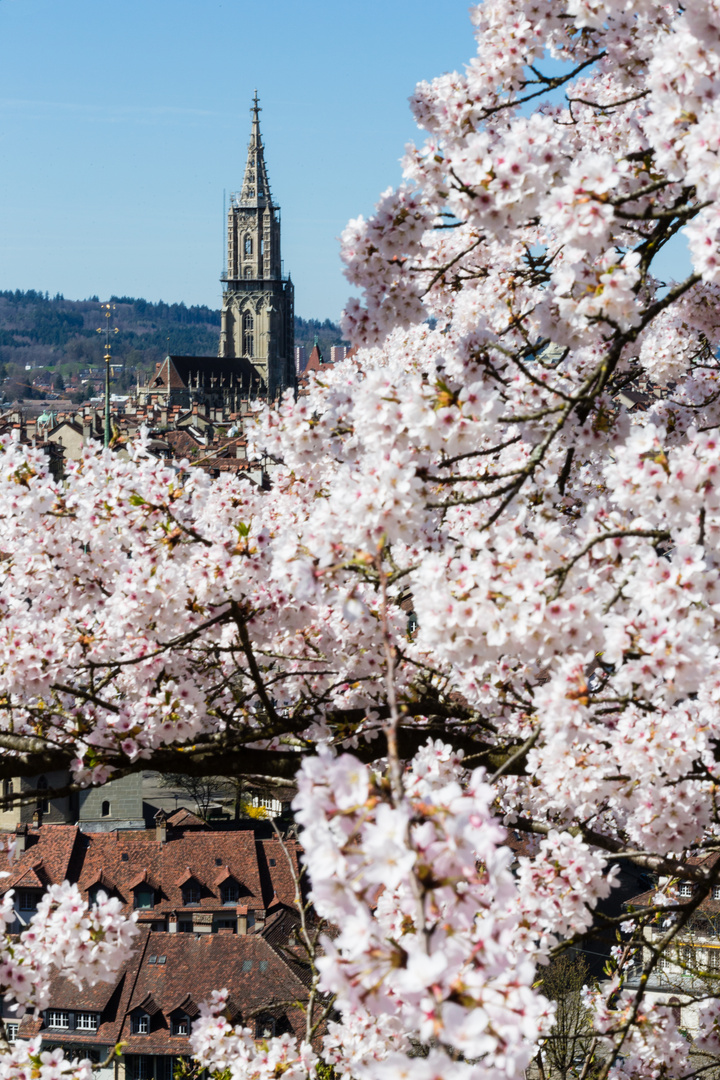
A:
x,y
256,186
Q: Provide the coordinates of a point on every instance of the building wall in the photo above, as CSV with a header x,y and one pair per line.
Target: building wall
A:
x,y
117,805
85,807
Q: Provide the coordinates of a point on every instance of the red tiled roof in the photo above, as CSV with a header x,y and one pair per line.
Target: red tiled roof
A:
x,y
185,818
196,964
52,846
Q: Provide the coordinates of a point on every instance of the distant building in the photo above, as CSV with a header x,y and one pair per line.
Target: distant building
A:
x,y
338,353
258,302
300,358
215,908
117,805
188,380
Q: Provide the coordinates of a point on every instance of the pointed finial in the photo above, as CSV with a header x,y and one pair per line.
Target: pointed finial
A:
x,y
256,108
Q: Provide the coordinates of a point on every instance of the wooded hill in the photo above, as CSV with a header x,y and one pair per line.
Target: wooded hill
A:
x,y
39,332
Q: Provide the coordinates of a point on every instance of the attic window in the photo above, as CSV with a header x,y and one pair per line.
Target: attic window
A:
x,y
141,1024
230,892
265,1027
144,898
686,888
263,965
58,1019
180,1024
191,893
247,965
152,959
162,959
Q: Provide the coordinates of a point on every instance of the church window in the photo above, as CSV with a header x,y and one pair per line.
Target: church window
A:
x,y
248,272
248,336
248,245
105,809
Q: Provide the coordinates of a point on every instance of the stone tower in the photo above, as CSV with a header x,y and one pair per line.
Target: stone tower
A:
x,y
258,305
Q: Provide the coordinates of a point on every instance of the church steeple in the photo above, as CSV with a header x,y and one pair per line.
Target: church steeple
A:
x,y
257,314
256,186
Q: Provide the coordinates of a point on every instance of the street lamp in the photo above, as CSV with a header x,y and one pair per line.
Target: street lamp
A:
x,y
108,310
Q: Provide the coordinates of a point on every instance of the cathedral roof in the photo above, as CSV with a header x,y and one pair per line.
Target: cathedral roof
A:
x,y
178,372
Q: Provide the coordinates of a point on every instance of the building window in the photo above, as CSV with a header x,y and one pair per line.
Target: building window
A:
x,y
86,1021
248,271
43,803
105,809
28,900
713,959
230,892
180,1024
11,1031
248,245
7,791
687,955
191,893
248,335
144,898
663,962
141,1024
716,892
185,926
265,1027
145,1067
58,1019
685,889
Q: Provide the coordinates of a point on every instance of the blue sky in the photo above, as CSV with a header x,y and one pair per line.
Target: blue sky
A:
x,y
122,123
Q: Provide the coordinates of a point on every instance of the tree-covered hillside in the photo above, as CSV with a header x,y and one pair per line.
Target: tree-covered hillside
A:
x,y
54,341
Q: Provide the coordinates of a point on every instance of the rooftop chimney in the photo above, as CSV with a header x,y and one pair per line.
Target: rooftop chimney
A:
x,y
161,827
20,840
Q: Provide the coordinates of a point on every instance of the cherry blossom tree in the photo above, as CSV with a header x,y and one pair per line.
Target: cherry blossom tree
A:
x,y
475,458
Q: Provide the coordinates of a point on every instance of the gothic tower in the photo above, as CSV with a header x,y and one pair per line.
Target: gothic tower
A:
x,y
258,306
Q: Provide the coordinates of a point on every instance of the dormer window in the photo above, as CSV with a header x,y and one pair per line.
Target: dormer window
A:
x,y
686,888
140,1023
191,893
58,1019
28,899
230,892
180,1024
265,1027
144,898
86,1021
